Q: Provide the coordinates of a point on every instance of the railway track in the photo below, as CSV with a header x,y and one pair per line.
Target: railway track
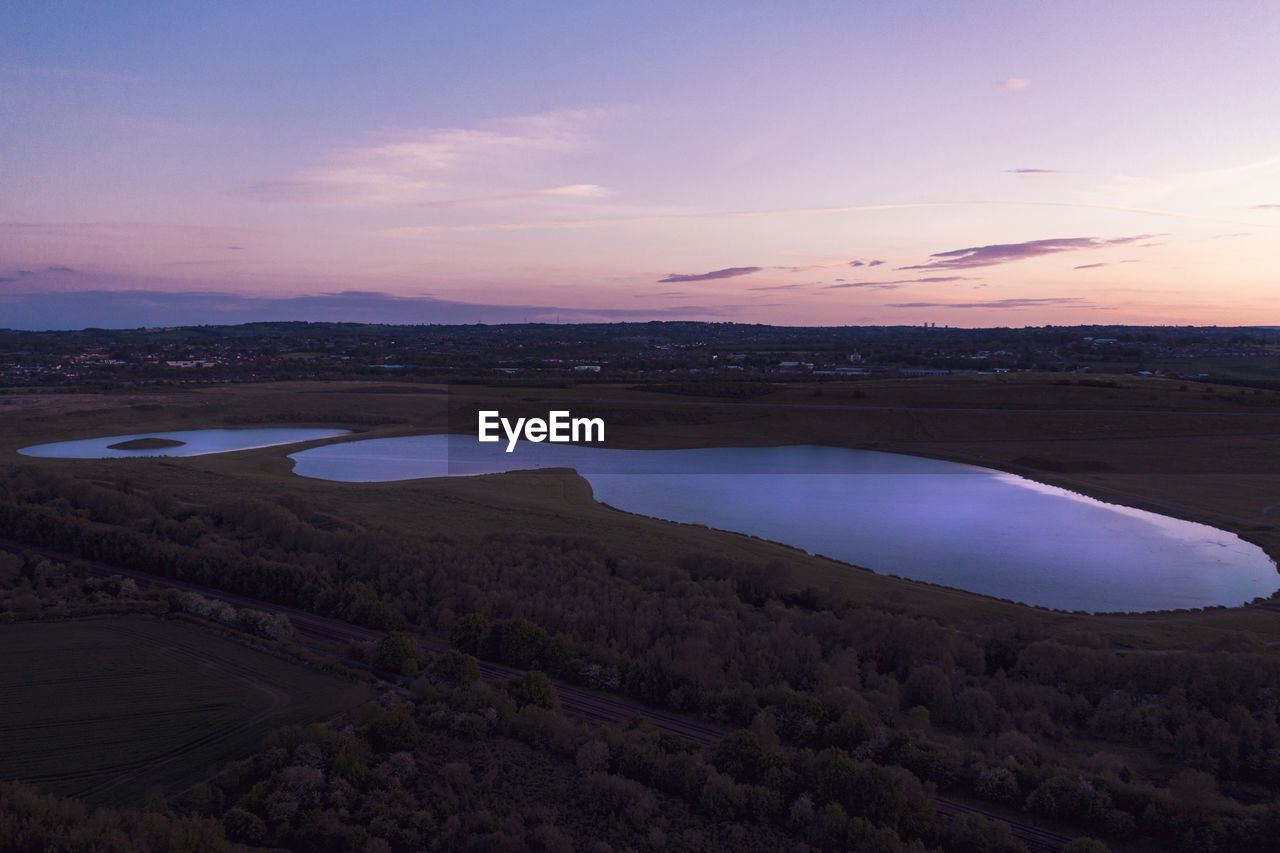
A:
x,y
576,701
1038,840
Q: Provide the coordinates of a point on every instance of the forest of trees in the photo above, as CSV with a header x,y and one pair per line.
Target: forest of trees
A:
x,y
850,712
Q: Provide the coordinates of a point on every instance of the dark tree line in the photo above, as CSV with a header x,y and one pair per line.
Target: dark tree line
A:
x,y
992,711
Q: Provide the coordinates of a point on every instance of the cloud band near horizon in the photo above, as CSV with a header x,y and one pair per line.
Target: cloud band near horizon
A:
x,y
129,309
1074,301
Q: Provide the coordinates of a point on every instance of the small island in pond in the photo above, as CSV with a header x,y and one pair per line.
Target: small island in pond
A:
x,y
146,444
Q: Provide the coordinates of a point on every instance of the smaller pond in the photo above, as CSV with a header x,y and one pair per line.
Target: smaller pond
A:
x,y
192,442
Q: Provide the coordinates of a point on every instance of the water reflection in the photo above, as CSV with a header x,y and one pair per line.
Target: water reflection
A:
x,y
925,519
194,442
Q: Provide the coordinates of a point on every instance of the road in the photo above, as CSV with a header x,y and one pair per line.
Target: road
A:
x,y
321,633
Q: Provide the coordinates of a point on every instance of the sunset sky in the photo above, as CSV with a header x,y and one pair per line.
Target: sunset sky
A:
x,y
806,163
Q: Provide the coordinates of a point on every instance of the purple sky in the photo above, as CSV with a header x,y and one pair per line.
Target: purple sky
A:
x,y
808,163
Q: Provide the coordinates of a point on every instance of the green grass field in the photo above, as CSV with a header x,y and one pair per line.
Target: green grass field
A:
x,y
111,710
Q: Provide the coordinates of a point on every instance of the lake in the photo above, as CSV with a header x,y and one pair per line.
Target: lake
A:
x,y
925,519
194,442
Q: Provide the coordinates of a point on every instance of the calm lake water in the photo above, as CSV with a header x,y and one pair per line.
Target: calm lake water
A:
x,y
195,442
925,519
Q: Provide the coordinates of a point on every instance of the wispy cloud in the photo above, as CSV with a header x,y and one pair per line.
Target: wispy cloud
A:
x,y
21,274
861,263
729,272
1089,266
1240,178
1036,171
1003,253
893,284
1266,207
1004,303
48,278
415,166
570,191
780,287
1013,84
662,218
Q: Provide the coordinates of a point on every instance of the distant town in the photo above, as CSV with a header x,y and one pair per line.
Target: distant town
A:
x,y
686,351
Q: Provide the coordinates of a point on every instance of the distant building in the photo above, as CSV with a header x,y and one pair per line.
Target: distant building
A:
x,y
923,371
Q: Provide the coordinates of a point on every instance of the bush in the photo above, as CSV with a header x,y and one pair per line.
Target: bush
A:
x,y
536,689
396,653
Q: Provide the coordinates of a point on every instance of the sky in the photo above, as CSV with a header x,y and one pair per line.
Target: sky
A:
x,y
798,163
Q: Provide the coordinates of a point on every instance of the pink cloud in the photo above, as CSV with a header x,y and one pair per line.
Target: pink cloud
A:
x,y
728,272
1003,253
899,282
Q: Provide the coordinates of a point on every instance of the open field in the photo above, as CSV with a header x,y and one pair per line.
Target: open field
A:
x,y
1207,454
1247,368
112,709
1200,454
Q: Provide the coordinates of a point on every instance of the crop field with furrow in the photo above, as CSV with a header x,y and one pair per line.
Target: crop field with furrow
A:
x,y
103,709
